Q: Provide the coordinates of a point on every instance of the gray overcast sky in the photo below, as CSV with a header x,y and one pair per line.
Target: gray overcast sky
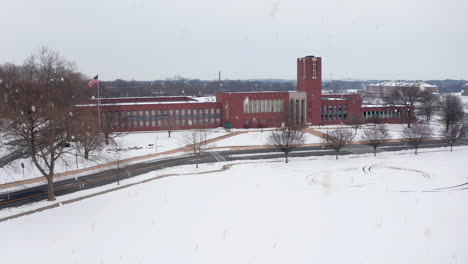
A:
x,y
146,40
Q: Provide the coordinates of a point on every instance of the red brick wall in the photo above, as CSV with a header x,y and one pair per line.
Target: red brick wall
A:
x,y
238,118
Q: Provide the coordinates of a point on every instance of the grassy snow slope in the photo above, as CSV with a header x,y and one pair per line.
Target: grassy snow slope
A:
x,y
358,209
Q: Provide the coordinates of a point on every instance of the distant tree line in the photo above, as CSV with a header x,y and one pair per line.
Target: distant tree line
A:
x,y
178,86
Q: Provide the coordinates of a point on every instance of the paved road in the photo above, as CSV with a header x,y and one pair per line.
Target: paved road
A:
x,y
39,193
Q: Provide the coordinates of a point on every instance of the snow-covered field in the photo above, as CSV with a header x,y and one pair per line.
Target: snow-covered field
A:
x,y
395,208
257,138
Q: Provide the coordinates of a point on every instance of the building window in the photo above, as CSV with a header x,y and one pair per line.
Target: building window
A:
x,y
207,116
200,116
165,117
159,118
177,117
147,118
116,119
135,119
122,119
153,118
141,119
129,119
195,116
303,68
189,117
246,105
218,115
212,115
314,68
182,113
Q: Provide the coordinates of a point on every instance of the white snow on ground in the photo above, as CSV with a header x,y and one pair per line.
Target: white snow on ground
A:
x,y
131,145
141,141
394,130
257,138
4,147
395,208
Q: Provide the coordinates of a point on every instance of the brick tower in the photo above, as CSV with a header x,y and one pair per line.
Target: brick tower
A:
x,y
309,80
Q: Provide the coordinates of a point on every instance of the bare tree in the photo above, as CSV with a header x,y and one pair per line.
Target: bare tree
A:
x,y
407,96
170,125
451,110
109,125
452,134
428,105
261,125
416,134
195,142
375,137
286,139
118,155
338,138
355,121
375,119
39,104
86,133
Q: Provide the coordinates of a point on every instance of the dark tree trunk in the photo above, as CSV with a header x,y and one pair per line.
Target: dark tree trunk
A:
x,y
451,144
50,188
106,137
286,156
375,151
336,154
415,150
409,119
86,154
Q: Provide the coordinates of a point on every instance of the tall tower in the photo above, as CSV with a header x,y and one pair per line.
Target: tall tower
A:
x,y
309,80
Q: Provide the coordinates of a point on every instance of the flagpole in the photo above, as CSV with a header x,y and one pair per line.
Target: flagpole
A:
x,y
99,105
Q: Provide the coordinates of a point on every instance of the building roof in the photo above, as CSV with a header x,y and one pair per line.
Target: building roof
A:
x,y
404,84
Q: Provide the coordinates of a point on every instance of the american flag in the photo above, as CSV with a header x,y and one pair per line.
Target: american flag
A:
x,y
93,81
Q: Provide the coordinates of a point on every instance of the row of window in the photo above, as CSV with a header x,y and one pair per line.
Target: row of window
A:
x,y
382,114
165,118
333,112
314,68
263,106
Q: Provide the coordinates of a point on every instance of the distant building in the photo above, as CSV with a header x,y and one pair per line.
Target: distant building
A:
x,y
306,106
464,91
384,89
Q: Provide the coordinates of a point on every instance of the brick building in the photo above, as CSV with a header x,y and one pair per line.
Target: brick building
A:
x,y
384,89
306,106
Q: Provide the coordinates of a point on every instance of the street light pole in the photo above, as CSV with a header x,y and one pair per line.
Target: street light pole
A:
x,y
156,144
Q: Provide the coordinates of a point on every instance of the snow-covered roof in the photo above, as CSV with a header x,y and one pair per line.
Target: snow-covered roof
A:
x,y
334,98
404,84
148,103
